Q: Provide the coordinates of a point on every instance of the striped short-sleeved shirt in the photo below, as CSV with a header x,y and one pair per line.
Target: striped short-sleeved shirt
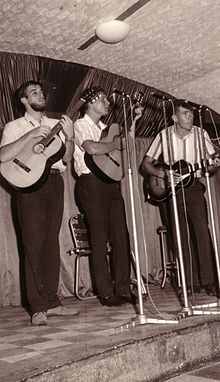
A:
x,y
190,148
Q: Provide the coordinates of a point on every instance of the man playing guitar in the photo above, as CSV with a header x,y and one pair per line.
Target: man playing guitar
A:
x,y
180,144
100,199
40,209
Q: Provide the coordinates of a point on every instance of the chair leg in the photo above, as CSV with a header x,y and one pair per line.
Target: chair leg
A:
x,y
170,265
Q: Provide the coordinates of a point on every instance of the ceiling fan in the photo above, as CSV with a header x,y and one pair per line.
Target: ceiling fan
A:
x,y
132,9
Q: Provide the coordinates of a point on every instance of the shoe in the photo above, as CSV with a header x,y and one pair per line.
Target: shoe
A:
x,y
39,318
111,301
62,311
210,290
127,298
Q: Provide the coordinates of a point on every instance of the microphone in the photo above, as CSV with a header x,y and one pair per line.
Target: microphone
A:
x,y
159,96
195,105
120,92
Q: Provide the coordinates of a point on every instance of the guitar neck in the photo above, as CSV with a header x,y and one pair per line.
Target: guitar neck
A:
x,y
56,129
202,165
129,127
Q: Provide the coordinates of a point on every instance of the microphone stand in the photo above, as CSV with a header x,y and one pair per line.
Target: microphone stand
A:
x,y
141,318
186,309
204,307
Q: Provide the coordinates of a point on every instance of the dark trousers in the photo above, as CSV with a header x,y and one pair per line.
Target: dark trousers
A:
x,y
40,215
195,236
103,207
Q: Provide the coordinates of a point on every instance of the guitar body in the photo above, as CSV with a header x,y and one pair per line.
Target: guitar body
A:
x,y
160,190
30,168
32,165
108,166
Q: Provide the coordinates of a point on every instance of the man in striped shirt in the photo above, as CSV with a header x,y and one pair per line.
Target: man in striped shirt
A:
x,y
185,143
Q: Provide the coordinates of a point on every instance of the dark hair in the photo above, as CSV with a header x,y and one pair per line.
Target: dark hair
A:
x,y
182,103
21,91
19,94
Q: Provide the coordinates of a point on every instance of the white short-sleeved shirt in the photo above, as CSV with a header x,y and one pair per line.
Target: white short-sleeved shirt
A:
x,y
190,148
85,129
16,129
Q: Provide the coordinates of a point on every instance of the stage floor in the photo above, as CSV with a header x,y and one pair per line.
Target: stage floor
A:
x,y
27,352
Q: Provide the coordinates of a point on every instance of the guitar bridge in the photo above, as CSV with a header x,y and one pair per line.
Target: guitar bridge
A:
x,y
22,165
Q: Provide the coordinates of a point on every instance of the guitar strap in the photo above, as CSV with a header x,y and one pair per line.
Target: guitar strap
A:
x,y
105,131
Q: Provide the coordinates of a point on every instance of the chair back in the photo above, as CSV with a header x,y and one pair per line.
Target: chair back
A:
x,y
80,235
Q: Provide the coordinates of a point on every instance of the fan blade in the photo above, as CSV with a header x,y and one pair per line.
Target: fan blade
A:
x,y
132,9
89,42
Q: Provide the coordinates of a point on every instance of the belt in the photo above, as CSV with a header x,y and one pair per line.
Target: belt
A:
x,y
89,174
55,171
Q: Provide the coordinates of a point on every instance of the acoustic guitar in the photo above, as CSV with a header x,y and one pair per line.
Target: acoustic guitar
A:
x,y
31,166
110,166
160,190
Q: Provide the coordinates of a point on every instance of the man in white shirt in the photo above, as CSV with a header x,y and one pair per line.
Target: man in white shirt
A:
x,y
102,203
40,208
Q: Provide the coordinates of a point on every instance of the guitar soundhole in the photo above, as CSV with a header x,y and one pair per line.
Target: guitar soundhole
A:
x,y
39,148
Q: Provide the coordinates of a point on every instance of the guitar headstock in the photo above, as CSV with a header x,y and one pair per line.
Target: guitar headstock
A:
x,y
138,104
138,99
137,110
92,94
